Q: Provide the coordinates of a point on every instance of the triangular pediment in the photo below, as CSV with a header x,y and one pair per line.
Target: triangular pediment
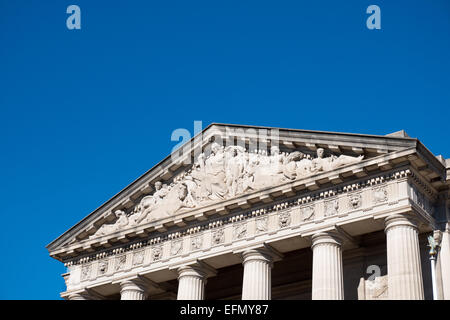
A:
x,y
228,166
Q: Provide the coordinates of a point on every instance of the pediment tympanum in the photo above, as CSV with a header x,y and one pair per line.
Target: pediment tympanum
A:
x,y
225,173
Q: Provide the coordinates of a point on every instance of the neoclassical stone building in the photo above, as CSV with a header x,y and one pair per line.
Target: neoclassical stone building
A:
x,y
244,212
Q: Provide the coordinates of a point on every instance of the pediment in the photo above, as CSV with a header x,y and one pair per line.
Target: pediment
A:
x,y
226,166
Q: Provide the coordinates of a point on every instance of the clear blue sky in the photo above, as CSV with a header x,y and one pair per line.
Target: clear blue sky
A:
x,y
85,112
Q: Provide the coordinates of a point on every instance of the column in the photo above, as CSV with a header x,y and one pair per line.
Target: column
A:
x,y
135,289
80,296
257,282
444,259
191,283
327,277
403,258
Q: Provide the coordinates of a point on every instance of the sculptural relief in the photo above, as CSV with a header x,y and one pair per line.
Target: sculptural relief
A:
x,y
157,253
85,272
380,195
284,219
223,174
120,262
176,247
122,221
218,236
307,213
377,289
261,224
102,267
239,231
331,208
138,258
149,203
196,242
354,201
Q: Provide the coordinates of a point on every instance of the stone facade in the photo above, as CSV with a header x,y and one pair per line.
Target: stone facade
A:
x,y
261,213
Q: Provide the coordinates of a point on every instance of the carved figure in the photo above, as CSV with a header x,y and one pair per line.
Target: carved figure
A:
x,y
122,221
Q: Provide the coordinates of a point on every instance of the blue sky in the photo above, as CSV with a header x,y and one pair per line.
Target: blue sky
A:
x,y
85,112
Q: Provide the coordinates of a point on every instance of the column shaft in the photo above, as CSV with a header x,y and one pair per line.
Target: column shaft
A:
x,y
403,258
444,259
327,277
79,296
257,281
191,283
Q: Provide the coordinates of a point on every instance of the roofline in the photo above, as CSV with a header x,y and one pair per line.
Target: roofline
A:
x,y
309,131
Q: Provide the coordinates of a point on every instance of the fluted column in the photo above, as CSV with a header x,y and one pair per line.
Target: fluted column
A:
x,y
257,282
191,283
444,259
80,296
135,289
327,277
403,258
